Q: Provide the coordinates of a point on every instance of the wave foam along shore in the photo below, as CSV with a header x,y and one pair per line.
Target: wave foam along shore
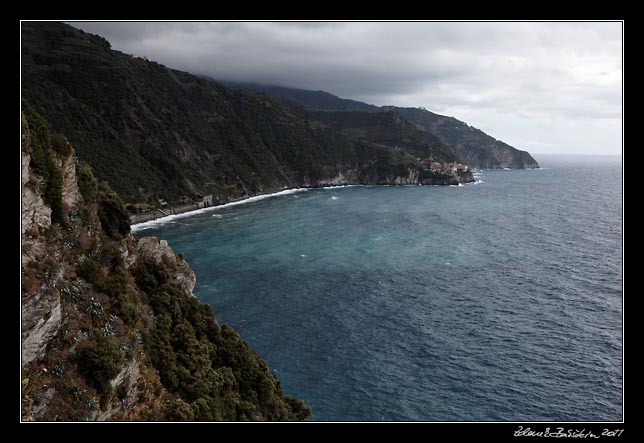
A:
x,y
172,217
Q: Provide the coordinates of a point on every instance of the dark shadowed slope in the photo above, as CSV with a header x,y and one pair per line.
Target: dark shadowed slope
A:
x,y
306,98
388,128
473,146
156,132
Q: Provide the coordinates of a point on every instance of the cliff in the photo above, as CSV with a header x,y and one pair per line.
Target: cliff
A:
x,y
110,329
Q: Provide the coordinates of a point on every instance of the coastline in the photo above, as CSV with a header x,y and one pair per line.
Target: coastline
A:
x,y
164,219
149,219
167,218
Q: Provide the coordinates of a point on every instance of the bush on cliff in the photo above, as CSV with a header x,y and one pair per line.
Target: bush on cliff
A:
x,y
87,184
43,164
99,363
112,213
87,269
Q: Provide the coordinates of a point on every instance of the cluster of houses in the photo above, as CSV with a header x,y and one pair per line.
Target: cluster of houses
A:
x,y
443,168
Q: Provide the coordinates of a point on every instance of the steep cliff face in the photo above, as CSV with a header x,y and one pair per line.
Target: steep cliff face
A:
x,y
70,193
40,308
402,176
110,327
34,211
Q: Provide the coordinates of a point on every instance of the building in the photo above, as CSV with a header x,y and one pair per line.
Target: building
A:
x,y
142,206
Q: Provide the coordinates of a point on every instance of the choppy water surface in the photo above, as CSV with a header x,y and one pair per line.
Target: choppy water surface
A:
x,y
500,300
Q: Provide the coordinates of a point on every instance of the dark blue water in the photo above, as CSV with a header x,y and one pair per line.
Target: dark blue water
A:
x,y
495,301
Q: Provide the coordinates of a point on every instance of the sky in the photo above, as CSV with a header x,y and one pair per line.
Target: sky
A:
x,y
548,88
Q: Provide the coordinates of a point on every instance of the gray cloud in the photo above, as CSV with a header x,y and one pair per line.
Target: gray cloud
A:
x,y
540,77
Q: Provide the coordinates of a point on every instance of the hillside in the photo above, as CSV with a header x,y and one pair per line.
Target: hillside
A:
x,y
474,146
110,329
471,145
308,99
153,132
387,128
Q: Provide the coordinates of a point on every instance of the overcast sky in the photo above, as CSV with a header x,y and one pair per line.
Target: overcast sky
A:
x,y
541,87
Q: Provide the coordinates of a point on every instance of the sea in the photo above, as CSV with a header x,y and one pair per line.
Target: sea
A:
x,y
500,300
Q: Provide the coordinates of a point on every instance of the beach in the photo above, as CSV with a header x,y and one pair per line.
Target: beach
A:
x,y
164,219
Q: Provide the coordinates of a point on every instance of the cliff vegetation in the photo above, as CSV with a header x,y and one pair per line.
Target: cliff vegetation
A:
x,y
110,329
470,145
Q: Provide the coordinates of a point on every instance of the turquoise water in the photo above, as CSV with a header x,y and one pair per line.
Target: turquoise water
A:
x,y
500,300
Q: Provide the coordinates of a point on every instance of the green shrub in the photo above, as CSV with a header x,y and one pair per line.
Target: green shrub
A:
x,y
116,286
39,136
114,218
60,145
54,196
87,184
150,276
111,254
179,410
99,363
88,270
43,164
121,392
299,409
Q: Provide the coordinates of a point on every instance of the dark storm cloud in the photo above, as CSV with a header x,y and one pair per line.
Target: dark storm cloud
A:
x,y
512,79
358,58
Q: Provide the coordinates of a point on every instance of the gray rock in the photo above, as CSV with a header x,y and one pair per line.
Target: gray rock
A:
x,y
41,319
71,194
34,210
151,247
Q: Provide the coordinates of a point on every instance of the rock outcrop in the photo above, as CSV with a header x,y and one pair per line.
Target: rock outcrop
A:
x,y
40,307
70,193
41,314
404,176
159,251
34,211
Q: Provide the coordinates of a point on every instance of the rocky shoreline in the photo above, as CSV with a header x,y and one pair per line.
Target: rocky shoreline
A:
x,y
433,174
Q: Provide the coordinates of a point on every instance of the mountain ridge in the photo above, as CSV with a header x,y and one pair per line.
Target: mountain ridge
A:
x,y
473,146
303,97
